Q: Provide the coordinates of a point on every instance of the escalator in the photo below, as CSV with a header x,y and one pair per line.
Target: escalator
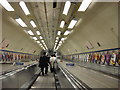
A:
x,y
62,79
46,81
29,78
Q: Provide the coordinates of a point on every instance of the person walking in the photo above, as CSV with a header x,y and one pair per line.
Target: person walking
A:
x,y
52,61
44,63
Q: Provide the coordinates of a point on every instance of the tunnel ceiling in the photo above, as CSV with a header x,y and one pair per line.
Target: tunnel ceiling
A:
x,y
88,29
47,17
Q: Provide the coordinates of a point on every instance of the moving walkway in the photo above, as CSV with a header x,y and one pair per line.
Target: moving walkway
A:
x,y
29,78
60,80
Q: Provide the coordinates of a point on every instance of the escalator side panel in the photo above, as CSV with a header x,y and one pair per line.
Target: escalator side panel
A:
x,y
18,79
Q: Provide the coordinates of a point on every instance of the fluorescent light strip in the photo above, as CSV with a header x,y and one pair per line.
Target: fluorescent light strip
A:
x,y
43,48
72,24
24,7
41,37
54,47
42,41
60,42
62,24
30,32
56,41
38,33
85,4
57,48
57,38
20,21
67,32
38,41
66,7
33,23
62,39
6,5
34,38
45,45
40,44
59,32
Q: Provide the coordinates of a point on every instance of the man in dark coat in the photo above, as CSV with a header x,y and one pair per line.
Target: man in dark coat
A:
x,y
44,63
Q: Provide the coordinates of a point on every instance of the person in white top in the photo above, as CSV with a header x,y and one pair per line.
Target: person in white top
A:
x,y
52,61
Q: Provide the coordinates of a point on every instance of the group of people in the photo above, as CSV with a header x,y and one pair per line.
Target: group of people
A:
x,y
46,61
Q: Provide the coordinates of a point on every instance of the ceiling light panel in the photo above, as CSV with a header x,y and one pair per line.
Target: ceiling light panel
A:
x,y
24,7
57,38
42,41
54,46
59,32
33,23
62,39
66,32
38,41
40,44
62,24
56,41
60,42
72,24
66,7
38,33
43,48
6,5
41,37
30,32
34,38
20,21
85,4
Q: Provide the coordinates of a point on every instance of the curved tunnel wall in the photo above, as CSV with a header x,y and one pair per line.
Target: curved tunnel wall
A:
x,y
17,39
99,24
